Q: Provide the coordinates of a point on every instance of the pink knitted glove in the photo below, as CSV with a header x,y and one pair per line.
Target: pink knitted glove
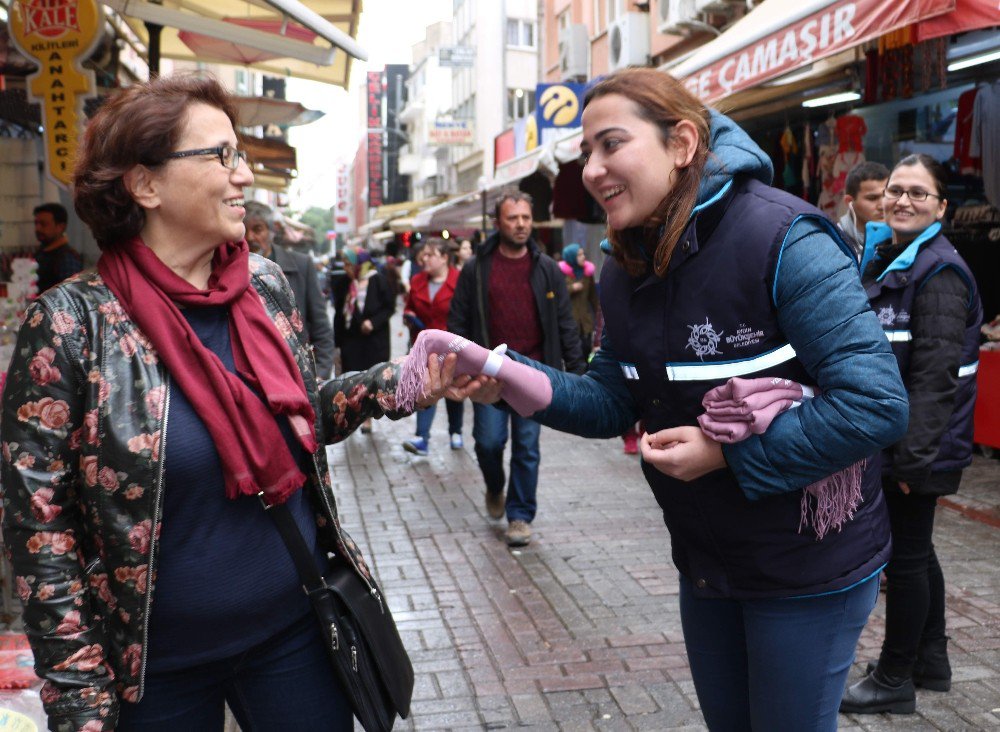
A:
x,y
525,389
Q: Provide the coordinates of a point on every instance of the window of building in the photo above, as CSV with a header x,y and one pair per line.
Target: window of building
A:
x,y
520,103
598,15
616,9
520,33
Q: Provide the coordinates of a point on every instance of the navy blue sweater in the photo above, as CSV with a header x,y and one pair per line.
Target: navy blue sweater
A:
x,y
225,581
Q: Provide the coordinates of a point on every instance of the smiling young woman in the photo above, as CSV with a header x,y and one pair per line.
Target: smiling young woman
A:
x,y
714,274
928,304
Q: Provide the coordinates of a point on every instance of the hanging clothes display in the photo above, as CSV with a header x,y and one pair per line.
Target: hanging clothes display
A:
x,y
808,163
851,130
967,164
985,142
827,142
789,151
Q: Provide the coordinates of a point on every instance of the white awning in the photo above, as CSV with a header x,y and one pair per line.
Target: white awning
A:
x,y
780,36
326,58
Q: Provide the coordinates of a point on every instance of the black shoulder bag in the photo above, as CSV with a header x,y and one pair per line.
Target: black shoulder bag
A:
x,y
361,637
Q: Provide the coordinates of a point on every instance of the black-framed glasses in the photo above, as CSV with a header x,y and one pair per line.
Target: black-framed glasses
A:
x,y
914,194
229,156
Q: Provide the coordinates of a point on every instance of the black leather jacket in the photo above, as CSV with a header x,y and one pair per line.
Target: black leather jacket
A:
x,y
83,428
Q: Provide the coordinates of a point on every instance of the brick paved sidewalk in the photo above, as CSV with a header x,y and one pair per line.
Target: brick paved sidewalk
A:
x,y
580,630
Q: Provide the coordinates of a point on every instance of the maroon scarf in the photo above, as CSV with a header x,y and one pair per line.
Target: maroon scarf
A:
x,y
254,454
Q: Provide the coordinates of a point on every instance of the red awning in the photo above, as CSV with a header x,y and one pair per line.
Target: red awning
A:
x,y
780,36
968,15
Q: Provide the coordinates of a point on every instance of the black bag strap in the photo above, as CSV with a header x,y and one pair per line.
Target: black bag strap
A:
x,y
304,560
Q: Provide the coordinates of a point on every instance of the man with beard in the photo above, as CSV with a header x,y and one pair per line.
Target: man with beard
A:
x,y
300,272
511,293
56,259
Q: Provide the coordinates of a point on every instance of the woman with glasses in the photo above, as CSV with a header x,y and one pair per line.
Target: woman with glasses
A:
x,y
928,303
150,409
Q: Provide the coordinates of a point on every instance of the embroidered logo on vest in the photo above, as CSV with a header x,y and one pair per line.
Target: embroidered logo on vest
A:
x,y
745,336
887,315
704,341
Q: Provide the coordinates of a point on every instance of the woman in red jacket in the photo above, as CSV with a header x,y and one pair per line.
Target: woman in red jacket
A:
x,y
427,306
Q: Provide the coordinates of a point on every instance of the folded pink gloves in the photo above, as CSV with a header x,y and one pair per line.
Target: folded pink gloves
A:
x,y
743,407
525,389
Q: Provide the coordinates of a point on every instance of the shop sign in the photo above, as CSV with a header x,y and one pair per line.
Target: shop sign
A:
x,y
456,57
375,157
342,207
451,132
559,105
59,35
837,27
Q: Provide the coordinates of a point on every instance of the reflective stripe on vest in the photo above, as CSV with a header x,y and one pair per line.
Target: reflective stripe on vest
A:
x,y
898,336
728,369
968,370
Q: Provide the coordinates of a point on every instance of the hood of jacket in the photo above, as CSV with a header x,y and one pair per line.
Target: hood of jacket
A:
x,y
731,152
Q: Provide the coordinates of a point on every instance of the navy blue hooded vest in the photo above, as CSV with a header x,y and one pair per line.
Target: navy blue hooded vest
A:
x,y
710,318
892,294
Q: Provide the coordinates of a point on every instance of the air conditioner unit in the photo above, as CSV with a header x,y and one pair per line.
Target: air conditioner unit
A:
x,y
573,47
675,17
628,41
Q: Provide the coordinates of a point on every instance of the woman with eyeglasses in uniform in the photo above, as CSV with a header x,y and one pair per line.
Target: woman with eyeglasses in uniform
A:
x,y
151,407
927,301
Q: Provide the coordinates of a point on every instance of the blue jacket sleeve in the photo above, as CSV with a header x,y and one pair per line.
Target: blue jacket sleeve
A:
x,y
824,313
594,404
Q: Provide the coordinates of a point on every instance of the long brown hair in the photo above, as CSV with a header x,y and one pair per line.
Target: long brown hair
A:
x,y
662,100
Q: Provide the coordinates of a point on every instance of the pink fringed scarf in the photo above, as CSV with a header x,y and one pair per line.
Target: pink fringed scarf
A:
x,y
251,447
525,389
743,407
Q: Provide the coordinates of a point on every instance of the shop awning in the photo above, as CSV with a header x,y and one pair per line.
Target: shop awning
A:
x,y
780,36
263,111
968,15
330,24
460,212
389,211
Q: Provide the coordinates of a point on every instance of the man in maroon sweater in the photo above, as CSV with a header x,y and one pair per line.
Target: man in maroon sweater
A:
x,y
512,293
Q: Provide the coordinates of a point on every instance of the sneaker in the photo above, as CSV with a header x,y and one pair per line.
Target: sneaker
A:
x,y
418,446
456,441
518,533
496,504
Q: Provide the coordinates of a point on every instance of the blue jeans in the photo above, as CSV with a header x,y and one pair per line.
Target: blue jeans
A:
x,y
490,432
284,683
773,664
425,418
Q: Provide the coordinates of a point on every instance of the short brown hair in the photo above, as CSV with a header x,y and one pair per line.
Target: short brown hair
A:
x,y
138,126
663,101
511,194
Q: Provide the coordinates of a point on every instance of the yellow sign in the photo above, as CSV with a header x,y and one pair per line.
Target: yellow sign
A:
x,y
59,34
560,105
531,134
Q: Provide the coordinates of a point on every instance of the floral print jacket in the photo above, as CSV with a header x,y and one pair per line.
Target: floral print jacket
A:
x,y
83,429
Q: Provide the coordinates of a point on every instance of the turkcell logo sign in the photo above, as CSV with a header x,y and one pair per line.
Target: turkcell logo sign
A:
x,y
559,105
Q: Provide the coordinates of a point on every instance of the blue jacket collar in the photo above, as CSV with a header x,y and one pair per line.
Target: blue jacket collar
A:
x,y
878,233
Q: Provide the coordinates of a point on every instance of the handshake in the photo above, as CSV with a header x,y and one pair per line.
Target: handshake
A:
x,y
525,389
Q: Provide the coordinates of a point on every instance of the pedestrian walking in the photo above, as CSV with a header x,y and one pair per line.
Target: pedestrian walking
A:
x,y
512,293
714,274
156,587
427,304
927,300
368,304
298,269
582,293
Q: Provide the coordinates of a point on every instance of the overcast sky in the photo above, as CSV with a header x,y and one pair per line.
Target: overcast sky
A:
x,y
388,30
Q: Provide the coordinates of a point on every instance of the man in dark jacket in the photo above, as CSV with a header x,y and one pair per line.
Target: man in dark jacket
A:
x,y
511,293
56,259
301,275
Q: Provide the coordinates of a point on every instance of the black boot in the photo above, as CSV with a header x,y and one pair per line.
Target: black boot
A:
x,y
932,669
879,692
